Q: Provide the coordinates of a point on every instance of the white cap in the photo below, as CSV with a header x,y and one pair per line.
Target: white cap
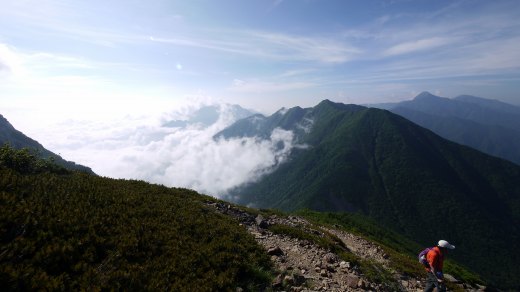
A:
x,y
445,244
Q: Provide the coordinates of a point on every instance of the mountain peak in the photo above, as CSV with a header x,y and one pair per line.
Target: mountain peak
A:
x,y
337,105
325,101
425,95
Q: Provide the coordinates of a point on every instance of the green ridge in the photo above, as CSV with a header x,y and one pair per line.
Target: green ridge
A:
x,y
407,179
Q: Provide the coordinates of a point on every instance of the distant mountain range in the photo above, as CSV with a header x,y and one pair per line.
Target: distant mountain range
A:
x,y
405,177
487,125
18,140
209,115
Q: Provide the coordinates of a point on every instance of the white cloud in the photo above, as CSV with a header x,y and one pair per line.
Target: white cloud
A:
x,y
10,61
140,148
325,50
293,73
268,45
258,86
416,45
214,167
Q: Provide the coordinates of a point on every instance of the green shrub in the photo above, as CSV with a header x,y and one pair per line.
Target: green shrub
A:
x,y
75,231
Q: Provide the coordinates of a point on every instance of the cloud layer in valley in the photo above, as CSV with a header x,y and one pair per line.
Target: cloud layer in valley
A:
x,y
143,148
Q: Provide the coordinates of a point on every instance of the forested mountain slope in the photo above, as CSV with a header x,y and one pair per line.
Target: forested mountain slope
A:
x,y
403,176
17,139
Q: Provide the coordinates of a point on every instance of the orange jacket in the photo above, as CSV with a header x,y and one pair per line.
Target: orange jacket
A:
x,y
435,258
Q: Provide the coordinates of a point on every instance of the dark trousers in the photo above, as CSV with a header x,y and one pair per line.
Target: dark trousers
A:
x,y
431,283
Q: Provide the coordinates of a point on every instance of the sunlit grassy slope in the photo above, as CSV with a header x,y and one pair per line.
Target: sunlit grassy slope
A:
x,y
74,231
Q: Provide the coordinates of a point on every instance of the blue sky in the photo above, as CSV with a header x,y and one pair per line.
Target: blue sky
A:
x,y
97,59
95,80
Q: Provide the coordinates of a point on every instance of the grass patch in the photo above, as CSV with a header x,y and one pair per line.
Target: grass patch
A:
x,y
75,231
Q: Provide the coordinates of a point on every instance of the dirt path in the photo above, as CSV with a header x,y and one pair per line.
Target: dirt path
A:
x,y
305,266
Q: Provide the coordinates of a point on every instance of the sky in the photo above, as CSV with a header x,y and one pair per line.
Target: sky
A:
x,y
93,69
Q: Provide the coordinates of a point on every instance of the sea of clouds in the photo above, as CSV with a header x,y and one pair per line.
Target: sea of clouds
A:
x,y
143,148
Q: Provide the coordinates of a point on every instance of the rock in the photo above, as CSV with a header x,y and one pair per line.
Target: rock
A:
x,y
461,286
298,279
352,281
330,258
260,221
323,273
239,289
404,283
325,285
277,282
450,278
361,284
344,265
288,280
331,269
275,251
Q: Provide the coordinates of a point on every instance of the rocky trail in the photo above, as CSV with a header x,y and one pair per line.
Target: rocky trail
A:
x,y
304,265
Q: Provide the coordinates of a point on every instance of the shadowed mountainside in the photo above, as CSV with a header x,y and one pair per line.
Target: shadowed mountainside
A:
x,y
487,125
403,176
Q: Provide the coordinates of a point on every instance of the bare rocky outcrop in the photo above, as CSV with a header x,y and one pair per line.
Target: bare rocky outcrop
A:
x,y
306,266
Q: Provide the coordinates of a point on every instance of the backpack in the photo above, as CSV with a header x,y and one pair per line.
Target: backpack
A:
x,y
422,256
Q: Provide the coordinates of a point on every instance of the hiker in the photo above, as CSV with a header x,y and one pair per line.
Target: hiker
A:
x,y
434,259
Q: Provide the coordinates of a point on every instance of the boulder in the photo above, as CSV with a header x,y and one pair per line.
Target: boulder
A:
x,y
323,273
345,265
352,281
450,278
275,251
260,221
330,258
